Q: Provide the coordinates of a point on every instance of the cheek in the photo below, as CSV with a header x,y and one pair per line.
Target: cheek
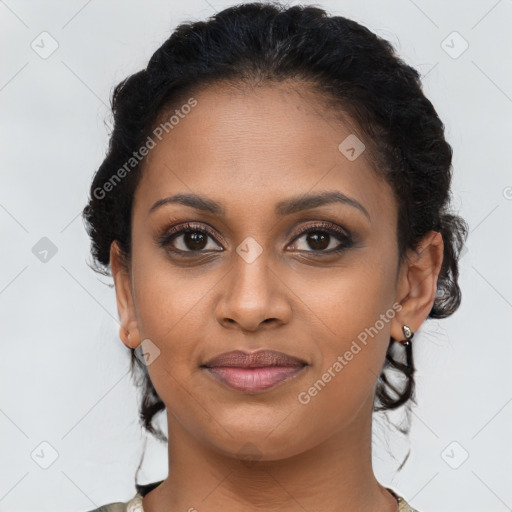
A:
x,y
348,300
353,314
166,296
169,306
168,310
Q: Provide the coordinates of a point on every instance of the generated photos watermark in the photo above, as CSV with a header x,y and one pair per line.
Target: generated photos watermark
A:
x,y
341,361
143,151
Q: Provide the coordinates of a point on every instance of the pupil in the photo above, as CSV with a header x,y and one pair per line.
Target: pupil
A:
x,y
318,241
195,240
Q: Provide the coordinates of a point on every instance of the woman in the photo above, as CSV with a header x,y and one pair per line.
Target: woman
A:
x,y
274,211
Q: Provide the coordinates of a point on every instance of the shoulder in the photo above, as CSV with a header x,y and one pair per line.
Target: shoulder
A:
x,y
118,506
403,506
133,505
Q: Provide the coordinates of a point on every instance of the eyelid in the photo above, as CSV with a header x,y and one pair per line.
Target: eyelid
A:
x,y
320,225
179,228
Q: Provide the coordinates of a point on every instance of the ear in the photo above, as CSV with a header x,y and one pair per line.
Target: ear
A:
x,y
128,331
417,284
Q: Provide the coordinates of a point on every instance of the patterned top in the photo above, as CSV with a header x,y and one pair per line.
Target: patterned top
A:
x,y
135,504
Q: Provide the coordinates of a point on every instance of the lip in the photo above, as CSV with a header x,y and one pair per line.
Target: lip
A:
x,y
257,359
253,372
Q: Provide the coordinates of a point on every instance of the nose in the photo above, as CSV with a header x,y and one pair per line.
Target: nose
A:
x,y
253,297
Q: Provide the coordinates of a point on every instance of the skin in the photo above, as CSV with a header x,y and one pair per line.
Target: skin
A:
x,y
249,150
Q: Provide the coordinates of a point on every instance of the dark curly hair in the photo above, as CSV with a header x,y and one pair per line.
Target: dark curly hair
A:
x,y
353,71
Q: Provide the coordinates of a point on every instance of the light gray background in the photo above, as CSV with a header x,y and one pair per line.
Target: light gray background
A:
x,y
64,370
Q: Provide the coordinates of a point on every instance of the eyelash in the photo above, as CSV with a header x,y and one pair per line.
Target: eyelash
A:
x,y
344,236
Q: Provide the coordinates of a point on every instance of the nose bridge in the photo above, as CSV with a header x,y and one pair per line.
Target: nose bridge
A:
x,y
251,273
252,295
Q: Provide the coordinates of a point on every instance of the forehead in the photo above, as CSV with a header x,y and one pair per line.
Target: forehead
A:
x,y
255,146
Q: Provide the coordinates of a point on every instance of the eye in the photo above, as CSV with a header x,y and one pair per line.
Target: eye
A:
x,y
321,238
188,238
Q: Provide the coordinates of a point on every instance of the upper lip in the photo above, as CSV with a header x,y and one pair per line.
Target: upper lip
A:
x,y
258,359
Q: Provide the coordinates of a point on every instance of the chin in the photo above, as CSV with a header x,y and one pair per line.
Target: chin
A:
x,y
252,446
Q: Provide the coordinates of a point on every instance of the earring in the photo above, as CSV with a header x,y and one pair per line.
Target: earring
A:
x,y
389,401
408,335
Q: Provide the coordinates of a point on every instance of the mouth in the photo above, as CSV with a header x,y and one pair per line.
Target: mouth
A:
x,y
253,372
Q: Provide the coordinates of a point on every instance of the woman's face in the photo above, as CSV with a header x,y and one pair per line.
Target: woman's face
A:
x,y
246,277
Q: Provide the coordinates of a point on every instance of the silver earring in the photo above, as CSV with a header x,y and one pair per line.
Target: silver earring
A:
x,y
408,335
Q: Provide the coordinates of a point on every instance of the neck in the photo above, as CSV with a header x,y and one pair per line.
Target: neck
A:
x,y
336,475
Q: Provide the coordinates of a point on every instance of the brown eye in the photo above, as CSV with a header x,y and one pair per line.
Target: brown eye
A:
x,y
323,239
195,240
188,238
318,241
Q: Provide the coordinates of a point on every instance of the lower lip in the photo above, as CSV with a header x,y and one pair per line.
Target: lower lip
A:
x,y
253,380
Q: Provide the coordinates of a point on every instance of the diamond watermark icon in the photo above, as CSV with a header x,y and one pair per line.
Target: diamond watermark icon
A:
x,y
148,352
44,250
44,455
249,249
454,455
249,454
351,147
454,45
44,45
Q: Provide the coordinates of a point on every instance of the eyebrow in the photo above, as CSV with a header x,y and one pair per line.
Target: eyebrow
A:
x,y
286,207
